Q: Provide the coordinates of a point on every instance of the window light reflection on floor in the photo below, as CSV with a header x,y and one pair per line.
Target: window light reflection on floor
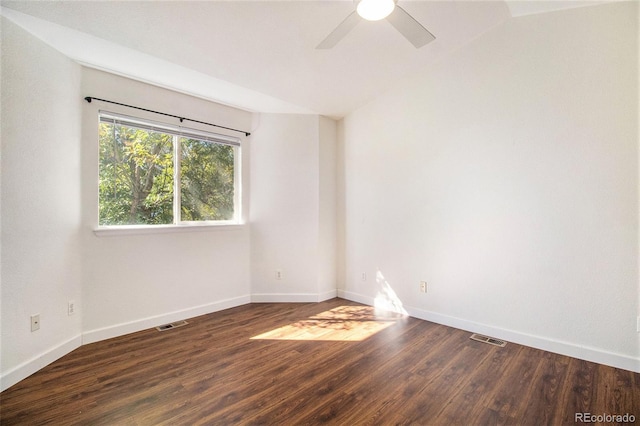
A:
x,y
344,323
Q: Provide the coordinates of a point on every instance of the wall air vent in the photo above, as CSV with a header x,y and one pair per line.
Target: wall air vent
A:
x,y
171,326
489,340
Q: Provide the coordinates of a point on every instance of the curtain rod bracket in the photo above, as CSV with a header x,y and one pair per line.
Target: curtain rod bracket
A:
x,y
90,98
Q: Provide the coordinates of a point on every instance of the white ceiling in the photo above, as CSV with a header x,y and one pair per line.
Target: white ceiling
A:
x,y
260,55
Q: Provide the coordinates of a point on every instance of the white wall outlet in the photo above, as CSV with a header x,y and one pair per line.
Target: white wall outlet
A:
x,y
423,286
363,277
71,307
35,322
278,274
638,324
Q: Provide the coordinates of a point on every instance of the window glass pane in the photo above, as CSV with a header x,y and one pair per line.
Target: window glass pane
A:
x,y
136,176
206,180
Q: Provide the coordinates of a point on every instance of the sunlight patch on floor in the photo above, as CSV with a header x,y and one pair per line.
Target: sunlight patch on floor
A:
x,y
344,323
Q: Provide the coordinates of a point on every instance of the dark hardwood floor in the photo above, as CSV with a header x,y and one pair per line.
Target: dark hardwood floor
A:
x,y
334,362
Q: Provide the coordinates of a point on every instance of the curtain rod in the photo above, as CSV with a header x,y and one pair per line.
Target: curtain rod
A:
x,y
90,98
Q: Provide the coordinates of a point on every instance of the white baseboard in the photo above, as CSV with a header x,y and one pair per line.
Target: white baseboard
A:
x,y
284,298
563,348
38,362
327,295
355,297
293,297
149,322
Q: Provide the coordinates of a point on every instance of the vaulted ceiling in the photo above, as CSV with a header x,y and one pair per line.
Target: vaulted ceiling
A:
x,y
260,55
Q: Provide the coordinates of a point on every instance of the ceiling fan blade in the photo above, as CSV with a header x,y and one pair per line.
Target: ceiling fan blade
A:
x,y
411,29
340,31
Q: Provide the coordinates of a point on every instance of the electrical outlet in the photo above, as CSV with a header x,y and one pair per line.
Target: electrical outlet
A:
x,y
278,274
363,277
71,307
638,324
423,286
35,322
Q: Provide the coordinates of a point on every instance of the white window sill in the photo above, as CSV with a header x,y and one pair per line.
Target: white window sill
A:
x,y
122,230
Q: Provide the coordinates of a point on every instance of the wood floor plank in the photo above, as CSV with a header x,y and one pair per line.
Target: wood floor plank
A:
x,y
549,378
481,385
384,366
335,362
341,369
430,394
389,376
616,393
584,384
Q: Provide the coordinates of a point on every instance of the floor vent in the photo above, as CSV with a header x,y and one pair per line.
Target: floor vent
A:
x,y
171,326
489,340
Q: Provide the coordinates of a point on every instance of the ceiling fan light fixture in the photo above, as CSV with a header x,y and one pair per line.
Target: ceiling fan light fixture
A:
x,y
375,10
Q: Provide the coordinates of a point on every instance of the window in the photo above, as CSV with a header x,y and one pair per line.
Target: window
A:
x,y
157,174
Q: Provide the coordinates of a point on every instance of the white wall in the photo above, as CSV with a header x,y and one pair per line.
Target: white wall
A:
x,y
507,177
638,187
40,208
328,216
291,156
133,282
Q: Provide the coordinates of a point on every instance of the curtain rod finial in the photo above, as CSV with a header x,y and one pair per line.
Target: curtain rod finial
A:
x,y
88,99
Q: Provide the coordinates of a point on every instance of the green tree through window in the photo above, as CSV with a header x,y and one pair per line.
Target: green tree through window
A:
x,y
206,180
137,168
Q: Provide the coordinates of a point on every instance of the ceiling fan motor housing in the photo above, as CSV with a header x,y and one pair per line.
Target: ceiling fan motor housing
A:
x,y
375,10
401,20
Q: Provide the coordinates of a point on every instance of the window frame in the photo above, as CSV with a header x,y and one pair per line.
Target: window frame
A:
x,y
177,132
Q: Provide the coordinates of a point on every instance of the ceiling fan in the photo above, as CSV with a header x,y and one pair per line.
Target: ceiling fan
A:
x,y
375,10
